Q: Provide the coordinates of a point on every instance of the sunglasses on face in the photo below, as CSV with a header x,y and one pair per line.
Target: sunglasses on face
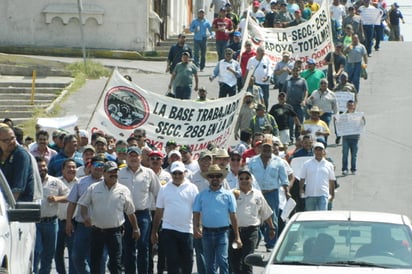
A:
x,y
155,158
177,173
98,164
121,149
235,159
214,176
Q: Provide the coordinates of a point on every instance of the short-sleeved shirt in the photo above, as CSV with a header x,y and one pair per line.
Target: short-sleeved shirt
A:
x,y
356,53
315,126
338,61
107,205
62,207
179,199
140,183
260,69
52,186
325,100
282,113
317,175
252,208
78,190
19,173
222,25
215,207
295,88
312,78
184,74
284,75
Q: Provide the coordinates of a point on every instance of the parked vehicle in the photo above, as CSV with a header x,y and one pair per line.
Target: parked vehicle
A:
x,y
341,242
17,231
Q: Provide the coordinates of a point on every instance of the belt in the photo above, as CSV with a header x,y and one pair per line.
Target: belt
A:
x,y
269,191
215,229
245,228
146,210
48,219
109,230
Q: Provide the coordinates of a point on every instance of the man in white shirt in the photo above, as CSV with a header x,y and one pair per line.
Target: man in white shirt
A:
x,y
260,66
317,178
177,229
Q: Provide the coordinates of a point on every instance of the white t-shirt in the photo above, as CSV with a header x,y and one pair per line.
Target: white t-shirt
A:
x,y
177,202
261,69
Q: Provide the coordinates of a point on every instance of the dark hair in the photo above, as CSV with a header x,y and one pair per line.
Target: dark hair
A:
x,y
68,160
18,132
121,142
131,138
143,131
40,159
42,132
68,138
8,121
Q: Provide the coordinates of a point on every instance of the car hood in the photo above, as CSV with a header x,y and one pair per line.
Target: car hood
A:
x,y
288,269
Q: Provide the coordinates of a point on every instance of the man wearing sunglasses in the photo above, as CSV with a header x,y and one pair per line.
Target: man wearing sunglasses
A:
x,y
176,196
215,208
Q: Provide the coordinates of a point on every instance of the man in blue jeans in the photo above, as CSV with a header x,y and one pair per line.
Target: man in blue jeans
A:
x,y
350,143
54,191
317,180
81,236
356,52
142,182
199,27
217,206
270,173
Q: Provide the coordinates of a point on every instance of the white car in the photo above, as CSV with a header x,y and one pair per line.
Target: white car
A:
x,y
17,232
341,242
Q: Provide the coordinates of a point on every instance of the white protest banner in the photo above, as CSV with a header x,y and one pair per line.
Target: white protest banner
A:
x,y
342,98
311,39
124,106
58,122
349,123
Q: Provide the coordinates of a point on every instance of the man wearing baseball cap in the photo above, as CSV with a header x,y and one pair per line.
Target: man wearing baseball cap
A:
x,y
142,182
174,209
106,218
317,180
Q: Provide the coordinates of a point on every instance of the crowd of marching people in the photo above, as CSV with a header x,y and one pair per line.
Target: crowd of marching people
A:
x,y
117,203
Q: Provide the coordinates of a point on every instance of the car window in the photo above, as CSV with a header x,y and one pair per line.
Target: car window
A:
x,y
321,242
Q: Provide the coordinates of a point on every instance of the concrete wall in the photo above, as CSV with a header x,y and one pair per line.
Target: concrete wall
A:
x,y
121,25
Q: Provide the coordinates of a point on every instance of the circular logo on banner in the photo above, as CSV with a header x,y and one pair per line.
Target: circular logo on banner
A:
x,y
125,107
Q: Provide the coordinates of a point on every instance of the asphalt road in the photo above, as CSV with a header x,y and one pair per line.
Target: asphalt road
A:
x,y
382,182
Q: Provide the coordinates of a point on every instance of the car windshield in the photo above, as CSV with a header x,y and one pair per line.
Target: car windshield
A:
x,y
346,243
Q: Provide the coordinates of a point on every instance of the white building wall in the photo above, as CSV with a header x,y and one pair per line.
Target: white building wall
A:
x,y
123,24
